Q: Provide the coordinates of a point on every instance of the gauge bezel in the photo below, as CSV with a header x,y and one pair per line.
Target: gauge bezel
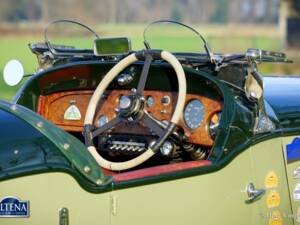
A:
x,y
202,117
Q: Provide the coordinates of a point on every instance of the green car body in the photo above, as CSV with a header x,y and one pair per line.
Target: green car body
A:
x,y
62,183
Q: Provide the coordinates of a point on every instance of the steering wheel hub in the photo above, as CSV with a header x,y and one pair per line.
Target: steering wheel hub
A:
x,y
131,107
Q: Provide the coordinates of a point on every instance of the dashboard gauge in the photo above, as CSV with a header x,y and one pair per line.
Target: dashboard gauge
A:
x,y
102,120
214,124
165,100
150,101
193,114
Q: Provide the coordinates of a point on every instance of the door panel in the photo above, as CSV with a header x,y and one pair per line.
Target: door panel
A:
x,y
214,198
269,172
293,173
49,192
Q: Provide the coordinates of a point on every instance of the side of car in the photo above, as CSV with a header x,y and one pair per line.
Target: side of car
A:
x,y
148,136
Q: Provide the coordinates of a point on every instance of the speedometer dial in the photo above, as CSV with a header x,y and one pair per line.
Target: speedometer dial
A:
x,y
194,114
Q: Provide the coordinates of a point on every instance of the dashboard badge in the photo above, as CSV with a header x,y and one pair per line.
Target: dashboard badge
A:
x,y
72,113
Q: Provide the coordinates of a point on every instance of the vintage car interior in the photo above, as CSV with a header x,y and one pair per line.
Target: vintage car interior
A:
x,y
148,112
192,140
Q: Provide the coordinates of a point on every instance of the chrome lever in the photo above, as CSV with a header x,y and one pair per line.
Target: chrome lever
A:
x,y
254,194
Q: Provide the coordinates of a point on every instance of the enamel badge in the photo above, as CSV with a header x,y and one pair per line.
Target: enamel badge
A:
x,y
13,207
273,199
271,180
296,193
276,218
72,113
297,173
293,151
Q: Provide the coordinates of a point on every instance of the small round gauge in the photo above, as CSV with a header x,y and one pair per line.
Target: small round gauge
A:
x,y
165,100
150,101
193,114
102,120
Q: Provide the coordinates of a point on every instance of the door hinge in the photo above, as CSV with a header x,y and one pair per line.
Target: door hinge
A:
x,y
114,204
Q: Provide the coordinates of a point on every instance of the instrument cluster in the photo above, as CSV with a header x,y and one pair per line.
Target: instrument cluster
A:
x,y
200,118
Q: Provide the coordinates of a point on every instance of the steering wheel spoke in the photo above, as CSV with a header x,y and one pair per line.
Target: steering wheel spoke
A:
x,y
109,125
150,122
144,75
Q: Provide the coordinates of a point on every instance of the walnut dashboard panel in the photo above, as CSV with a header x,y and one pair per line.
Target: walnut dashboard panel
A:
x,y
53,107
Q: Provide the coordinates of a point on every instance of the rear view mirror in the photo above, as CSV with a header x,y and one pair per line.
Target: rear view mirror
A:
x,y
13,72
112,46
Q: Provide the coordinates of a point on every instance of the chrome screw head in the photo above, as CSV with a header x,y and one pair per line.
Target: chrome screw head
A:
x,y
87,169
40,124
66,146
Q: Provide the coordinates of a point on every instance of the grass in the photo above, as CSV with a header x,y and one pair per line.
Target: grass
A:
x,y
221,39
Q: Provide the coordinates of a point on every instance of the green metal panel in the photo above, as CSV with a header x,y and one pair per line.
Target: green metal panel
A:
x,y
268,160
49,192
68,145
214,198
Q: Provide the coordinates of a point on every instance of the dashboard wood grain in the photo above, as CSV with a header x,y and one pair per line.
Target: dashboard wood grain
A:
x,y
54,106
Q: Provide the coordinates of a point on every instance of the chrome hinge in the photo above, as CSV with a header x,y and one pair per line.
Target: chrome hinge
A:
x,y
114,205
64,216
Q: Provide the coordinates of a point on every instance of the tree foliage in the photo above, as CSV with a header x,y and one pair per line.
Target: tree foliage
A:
x,y
121,11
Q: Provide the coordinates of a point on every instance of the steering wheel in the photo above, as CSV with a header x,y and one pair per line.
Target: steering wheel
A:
x,y
131,108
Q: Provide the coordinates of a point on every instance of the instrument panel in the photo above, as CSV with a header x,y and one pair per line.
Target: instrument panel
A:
x,y
67,110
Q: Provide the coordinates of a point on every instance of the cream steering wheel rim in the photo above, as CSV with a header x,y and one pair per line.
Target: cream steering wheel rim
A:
x,y
108,78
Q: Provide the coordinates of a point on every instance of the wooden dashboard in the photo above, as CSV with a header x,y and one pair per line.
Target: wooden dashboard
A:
x,y
54,106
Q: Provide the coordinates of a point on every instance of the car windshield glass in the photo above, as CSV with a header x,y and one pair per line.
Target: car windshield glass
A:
x,y
70,34
174,37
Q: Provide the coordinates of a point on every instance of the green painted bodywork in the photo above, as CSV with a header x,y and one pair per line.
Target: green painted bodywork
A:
x,y
214,198
47,193
268,157
46,139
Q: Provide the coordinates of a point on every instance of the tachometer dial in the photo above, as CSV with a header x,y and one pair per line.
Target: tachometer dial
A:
x,y
194,114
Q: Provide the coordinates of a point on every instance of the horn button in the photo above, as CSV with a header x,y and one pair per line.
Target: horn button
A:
x,y
131,107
